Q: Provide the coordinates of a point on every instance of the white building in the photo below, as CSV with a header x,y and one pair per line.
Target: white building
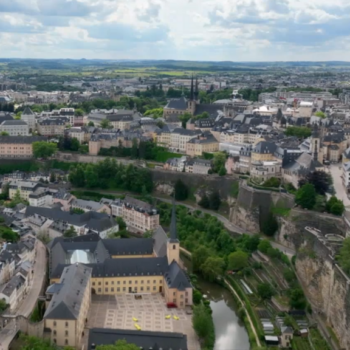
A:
x,y
15,127
29,117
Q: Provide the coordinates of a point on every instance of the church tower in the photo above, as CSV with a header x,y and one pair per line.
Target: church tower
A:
x,y
173,244
315,144
191,104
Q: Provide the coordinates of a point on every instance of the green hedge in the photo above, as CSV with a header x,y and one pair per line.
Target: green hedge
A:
x,y
26,166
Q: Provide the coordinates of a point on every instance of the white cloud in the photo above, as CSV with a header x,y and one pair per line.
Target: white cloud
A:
x,y
179,29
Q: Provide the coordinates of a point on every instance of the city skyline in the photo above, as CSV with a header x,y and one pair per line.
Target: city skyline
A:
x,y
244,30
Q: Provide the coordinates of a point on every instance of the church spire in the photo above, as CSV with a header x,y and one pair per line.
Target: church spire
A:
x,y
173,230
192,93
196,93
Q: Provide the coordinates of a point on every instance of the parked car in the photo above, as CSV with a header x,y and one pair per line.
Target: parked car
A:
x,y
171,306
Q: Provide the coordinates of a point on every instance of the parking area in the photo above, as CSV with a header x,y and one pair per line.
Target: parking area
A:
x,y
118,311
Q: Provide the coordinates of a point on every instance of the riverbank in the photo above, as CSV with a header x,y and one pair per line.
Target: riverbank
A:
x,y
246,318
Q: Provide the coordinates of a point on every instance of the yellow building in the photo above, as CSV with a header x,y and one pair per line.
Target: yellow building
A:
x,y
68,305
119,266
24,188
263,151
202,144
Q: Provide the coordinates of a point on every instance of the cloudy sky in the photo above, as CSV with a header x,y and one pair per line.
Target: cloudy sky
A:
x,y
236,30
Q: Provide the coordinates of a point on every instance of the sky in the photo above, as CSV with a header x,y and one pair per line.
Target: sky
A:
x,y
205,30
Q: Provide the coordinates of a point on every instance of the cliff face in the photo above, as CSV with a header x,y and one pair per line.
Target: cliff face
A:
x,y
324,283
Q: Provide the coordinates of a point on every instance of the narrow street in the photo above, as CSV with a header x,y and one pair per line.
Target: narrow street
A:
x,y
28,303
338,183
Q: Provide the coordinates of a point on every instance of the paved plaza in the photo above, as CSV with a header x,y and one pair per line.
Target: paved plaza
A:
x,y
118,311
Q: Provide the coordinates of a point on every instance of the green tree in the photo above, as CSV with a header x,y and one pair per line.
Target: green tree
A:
x,y
238,260
70,232
91,177
105,124
74,144
134,149
201,321
181,190
335,206
42,149
264,246
219,161
155,113
265,291
185,118
320,114
119,345
306,196
4,133
52,177
344,256
197,297
3,305
320,179
213,268
199,256
121,223
269,225
297,298
90,123
204,201
79,112
214,200
298,131
222,171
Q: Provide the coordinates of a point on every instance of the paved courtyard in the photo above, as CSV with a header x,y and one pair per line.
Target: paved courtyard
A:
x,y
118,311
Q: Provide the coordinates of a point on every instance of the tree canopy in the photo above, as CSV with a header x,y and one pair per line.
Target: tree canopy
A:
x,y
238,260
306,196
42,149
106,124
265,291
344,256
321,180
181,190
119,345
298,131
335,206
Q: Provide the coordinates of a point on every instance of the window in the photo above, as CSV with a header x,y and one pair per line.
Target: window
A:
x,y
130,282
93,283
106,283
66,324
181,296
54,341
66,341
106,289
186,300
174,246
54,324
124,282
148,288
141,289
66,333
154,281
148,282
118,289
99,283
123,289
154,288
54,332
174,293
141,281
118,282
136,282
112,282
112,289
99,290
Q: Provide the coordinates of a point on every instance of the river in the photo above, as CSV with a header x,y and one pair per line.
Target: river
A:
x,y
230,333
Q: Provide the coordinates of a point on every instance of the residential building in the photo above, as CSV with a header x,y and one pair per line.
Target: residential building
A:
x,y
346,176
14,291
68,306
180,137
264,170
205,143
139,216
56,222
263,151
24,188
7,266
201,166
78,133
18,147
15,127
52,126
90,206
41,197
29,117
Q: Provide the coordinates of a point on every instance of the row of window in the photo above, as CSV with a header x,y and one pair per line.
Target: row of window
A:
x,y
124,282
65,342
55,324
119,289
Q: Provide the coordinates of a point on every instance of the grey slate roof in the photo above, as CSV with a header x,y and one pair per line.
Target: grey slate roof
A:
x,y
187,132
160,239
128,267
177,103
21,139
142,339
66,302
27,111
211,109
176,277
15,283
265,147
14,122
140,246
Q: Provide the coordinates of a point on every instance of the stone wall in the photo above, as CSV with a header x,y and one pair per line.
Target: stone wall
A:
x,y
323,281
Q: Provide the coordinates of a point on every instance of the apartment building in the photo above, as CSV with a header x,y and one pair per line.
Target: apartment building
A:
x,y
15,127
263,171
180,137
263,151
52,126
201,166
24,188
41,197
68,305
14,291
18,147
138,215
7,266
202,144
90,206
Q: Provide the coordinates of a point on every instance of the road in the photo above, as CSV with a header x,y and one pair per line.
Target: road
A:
x,y
338,183
228,225
28,303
